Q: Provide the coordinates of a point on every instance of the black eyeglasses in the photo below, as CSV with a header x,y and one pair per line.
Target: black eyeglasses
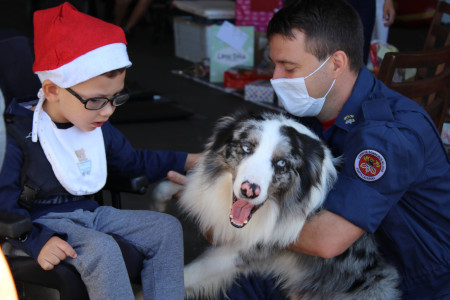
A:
x,y
96,103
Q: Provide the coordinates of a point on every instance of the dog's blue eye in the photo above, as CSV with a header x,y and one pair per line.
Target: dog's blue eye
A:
x,y
246,148
281,163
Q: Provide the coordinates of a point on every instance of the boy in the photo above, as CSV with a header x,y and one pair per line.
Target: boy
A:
x,y
69,146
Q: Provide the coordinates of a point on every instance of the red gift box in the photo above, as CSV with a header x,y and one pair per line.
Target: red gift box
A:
x,y
239,77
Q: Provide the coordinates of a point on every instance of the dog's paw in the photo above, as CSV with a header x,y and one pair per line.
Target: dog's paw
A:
x,y
199,284
162,193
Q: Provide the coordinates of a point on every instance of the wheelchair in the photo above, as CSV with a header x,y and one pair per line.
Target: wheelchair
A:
x,y
16,60
64,278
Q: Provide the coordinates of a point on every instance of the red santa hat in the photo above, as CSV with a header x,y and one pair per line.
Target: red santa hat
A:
x,y
71,47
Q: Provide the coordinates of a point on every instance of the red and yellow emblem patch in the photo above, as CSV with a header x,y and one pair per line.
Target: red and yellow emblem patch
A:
x,y
370,165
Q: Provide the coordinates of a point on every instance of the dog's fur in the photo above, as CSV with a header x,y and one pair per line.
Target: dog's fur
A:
x,y
285,172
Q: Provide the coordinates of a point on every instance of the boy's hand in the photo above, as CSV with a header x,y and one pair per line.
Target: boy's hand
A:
x,y
176,177
53,252
192,160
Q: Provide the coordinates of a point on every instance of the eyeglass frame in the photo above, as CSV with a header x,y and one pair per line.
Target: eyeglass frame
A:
x,y
125,91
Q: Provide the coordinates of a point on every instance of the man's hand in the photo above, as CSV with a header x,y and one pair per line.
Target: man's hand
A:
x,y
53,252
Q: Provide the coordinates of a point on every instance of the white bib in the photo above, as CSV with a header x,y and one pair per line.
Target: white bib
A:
x,y
77,157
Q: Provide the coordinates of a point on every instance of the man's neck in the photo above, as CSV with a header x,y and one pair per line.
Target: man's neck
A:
x,y
343,90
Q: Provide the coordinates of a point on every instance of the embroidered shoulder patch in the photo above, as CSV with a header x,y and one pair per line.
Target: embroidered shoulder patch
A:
x,y
370,165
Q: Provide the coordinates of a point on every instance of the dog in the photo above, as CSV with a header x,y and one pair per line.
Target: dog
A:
x,y
260,178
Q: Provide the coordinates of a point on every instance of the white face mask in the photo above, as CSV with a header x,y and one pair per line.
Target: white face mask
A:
x,y
293,94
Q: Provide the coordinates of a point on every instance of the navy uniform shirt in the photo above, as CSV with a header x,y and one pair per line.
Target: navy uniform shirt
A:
x,y
395,182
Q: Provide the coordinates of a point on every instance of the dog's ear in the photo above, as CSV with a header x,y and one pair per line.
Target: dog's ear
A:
x,y
223,133
224,128
309,150
314,155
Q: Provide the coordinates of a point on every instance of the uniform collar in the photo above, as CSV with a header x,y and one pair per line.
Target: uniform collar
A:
x,y
351,113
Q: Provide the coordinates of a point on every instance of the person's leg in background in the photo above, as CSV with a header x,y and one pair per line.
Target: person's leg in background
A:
x,y
120,11
385,16
366,10
138,11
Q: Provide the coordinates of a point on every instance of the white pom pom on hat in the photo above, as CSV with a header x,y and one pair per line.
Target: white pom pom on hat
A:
x,y
72,47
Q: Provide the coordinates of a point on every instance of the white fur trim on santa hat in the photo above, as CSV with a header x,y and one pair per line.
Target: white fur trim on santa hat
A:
x,y
89,65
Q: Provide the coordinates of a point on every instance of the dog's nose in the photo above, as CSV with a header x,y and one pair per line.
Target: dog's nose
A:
x,y
250,190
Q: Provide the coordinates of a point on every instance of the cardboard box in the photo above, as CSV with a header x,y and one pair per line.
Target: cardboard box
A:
x,y
223,56
215,9
259,91
191,39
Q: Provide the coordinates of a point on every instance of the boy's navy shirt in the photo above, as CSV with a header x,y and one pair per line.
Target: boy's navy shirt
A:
x,y
121,158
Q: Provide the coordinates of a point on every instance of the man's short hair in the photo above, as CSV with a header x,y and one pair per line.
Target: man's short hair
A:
x,y
328,25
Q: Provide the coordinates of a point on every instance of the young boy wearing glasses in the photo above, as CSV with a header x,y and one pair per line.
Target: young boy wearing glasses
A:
x,y
62,148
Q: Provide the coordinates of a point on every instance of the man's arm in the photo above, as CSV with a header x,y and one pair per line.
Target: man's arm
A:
x,y
326,235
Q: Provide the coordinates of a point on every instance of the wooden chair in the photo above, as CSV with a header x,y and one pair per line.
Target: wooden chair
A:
x,y
438,33
430,87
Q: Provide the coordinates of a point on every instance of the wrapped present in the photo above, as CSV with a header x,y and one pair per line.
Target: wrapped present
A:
x,y
259,91
256,13
377,51
239,77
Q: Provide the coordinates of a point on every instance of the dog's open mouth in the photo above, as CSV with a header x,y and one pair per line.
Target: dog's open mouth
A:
x,y
241,212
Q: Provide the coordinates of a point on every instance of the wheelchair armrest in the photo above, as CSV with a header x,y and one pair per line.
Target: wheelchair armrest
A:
x,y
13,225
127,183
123,183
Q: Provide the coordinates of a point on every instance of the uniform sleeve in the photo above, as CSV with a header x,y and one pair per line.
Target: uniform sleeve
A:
x,y
122,157
10,191
380,162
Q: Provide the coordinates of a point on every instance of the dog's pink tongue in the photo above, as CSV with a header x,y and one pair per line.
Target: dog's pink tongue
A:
x,y
240,211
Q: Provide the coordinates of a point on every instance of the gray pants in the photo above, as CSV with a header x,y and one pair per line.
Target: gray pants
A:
x,y
99,260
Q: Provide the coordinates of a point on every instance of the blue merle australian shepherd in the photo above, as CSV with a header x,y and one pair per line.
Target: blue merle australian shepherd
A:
x,y
259,180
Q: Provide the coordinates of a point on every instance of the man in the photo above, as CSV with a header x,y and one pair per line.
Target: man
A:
x,y
395,176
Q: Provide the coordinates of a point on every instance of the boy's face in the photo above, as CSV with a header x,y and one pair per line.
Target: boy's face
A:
x,y
65,107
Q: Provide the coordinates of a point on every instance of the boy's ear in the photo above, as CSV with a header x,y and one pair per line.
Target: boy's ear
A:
x,y
51,91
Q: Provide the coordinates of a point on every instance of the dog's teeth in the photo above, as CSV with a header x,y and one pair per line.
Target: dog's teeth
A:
x,y
245,222
231,216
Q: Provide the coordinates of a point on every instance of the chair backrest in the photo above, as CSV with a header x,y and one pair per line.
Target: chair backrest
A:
x,y
16,76
438,33
430,87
